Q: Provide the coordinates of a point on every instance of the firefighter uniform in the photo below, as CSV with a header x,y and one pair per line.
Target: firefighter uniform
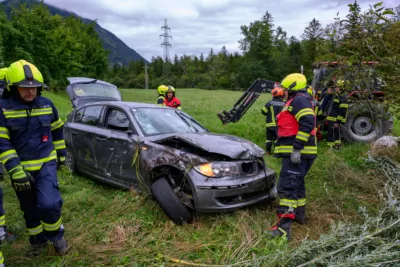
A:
x,y
270,111
32,147
173,102
297,147
336,115
161,94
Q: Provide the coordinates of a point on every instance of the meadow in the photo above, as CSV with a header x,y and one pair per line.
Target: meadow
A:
x,y
106,226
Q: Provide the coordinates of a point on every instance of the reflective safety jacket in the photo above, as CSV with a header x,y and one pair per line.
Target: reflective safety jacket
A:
x,y
30,135
271,110
296,127
173,103
337,111
160,100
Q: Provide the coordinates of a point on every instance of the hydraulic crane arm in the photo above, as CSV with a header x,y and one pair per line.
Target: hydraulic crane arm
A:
x,y
246,100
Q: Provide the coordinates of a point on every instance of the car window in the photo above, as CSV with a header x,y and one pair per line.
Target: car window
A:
x,y
156,121
97,89
117,120
79,115
91,115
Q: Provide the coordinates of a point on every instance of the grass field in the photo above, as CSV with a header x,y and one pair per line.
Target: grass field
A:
x,y
109,227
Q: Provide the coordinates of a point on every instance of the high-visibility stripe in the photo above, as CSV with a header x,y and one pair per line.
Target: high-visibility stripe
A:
x,y
272,114
35,231
330,118
4,133
309,150
302,136
57,124
288,203
1,257
338,141
5,156
41,111
59,144
265,109
2,220
336,100
52,226
304,112
268,141
271,124
330,144
344,105
36,165
12,114
301,202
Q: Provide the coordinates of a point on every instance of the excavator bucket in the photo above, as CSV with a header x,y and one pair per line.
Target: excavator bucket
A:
x,y
246,100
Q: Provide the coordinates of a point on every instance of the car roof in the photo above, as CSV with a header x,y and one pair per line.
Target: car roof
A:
x,y
74,80
126,105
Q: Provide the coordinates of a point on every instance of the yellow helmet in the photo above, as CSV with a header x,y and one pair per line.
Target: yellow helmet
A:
x,y
170,89
162,89
294,82
340,83
23,74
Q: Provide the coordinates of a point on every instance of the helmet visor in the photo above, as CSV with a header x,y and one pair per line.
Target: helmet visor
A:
x,y
29,84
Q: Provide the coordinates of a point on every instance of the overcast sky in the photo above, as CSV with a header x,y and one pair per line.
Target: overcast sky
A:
x,y
198,25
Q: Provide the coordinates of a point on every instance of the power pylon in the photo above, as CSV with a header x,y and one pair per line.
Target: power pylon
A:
x,y
166,44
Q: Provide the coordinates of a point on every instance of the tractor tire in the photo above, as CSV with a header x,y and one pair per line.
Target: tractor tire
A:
x,y
170,203
365,125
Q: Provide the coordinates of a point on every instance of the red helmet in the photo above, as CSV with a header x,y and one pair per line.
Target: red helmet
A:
x,y
277,92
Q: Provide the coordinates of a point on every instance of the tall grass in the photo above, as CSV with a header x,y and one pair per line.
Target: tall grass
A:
x,y
109,227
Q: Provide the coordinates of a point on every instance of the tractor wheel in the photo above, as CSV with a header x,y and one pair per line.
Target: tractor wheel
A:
x,y
365,124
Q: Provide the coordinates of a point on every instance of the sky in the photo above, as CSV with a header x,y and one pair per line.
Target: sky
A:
x,y
196,26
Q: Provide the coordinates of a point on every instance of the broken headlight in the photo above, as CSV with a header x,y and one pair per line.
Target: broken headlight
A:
x,y
218,169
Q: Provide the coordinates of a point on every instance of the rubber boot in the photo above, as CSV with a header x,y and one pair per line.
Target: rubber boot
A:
x,y
301,217
6,237
61,246
282,228
38,243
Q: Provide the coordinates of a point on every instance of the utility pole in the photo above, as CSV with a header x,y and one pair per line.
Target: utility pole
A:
x,y
146,77
166,45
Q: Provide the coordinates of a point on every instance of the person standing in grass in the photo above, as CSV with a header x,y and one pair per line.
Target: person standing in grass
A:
x,y
32,148
270,111
171,100
162,89
297,147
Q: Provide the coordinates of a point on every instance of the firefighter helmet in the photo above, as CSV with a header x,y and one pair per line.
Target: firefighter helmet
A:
x,y
340,83
277,92
162,89
294,82
3,72
23,74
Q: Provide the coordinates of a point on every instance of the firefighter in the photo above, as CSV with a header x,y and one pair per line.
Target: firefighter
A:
x,y
171,100
162,89
32,148
297,147
336,115
271,110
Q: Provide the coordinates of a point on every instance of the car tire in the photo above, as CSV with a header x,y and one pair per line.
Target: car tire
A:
x,y
70,160
170,203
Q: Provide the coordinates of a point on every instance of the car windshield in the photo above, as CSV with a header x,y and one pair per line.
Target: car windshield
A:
x,y
157,121
97,89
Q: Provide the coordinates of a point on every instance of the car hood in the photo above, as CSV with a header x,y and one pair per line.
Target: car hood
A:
x,y
228,145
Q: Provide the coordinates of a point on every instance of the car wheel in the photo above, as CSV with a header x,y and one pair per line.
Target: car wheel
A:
x,y
170,203
70,160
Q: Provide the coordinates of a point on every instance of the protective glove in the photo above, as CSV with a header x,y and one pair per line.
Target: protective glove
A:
x,y
60,162
295,157
20,179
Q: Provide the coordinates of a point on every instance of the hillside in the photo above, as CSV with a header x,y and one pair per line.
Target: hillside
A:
x,y
119,51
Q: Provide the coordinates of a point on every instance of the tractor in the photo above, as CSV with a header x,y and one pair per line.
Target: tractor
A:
x,y
367,117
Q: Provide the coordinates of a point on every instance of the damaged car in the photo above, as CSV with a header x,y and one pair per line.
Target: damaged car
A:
x,y
166,153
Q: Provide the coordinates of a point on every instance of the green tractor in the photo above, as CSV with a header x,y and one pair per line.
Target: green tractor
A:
x,y
368,118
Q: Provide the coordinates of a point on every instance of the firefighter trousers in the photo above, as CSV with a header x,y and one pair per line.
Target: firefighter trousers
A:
x,y
42,205
2,212
333,134
291,187
271,137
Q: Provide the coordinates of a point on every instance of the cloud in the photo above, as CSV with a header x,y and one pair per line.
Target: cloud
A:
x,y
199,25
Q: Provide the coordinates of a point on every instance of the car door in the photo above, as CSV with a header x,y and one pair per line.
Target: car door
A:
x,y
83,135
118,152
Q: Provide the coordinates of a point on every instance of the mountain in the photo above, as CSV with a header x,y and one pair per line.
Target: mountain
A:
x,y
119,51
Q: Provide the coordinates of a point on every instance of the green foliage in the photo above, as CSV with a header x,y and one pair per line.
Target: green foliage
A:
x,y
59,47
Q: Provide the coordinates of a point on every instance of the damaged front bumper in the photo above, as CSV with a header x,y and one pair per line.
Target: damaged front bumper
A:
x,y
228,194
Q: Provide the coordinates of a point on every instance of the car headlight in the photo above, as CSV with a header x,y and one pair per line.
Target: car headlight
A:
x,y
218,169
